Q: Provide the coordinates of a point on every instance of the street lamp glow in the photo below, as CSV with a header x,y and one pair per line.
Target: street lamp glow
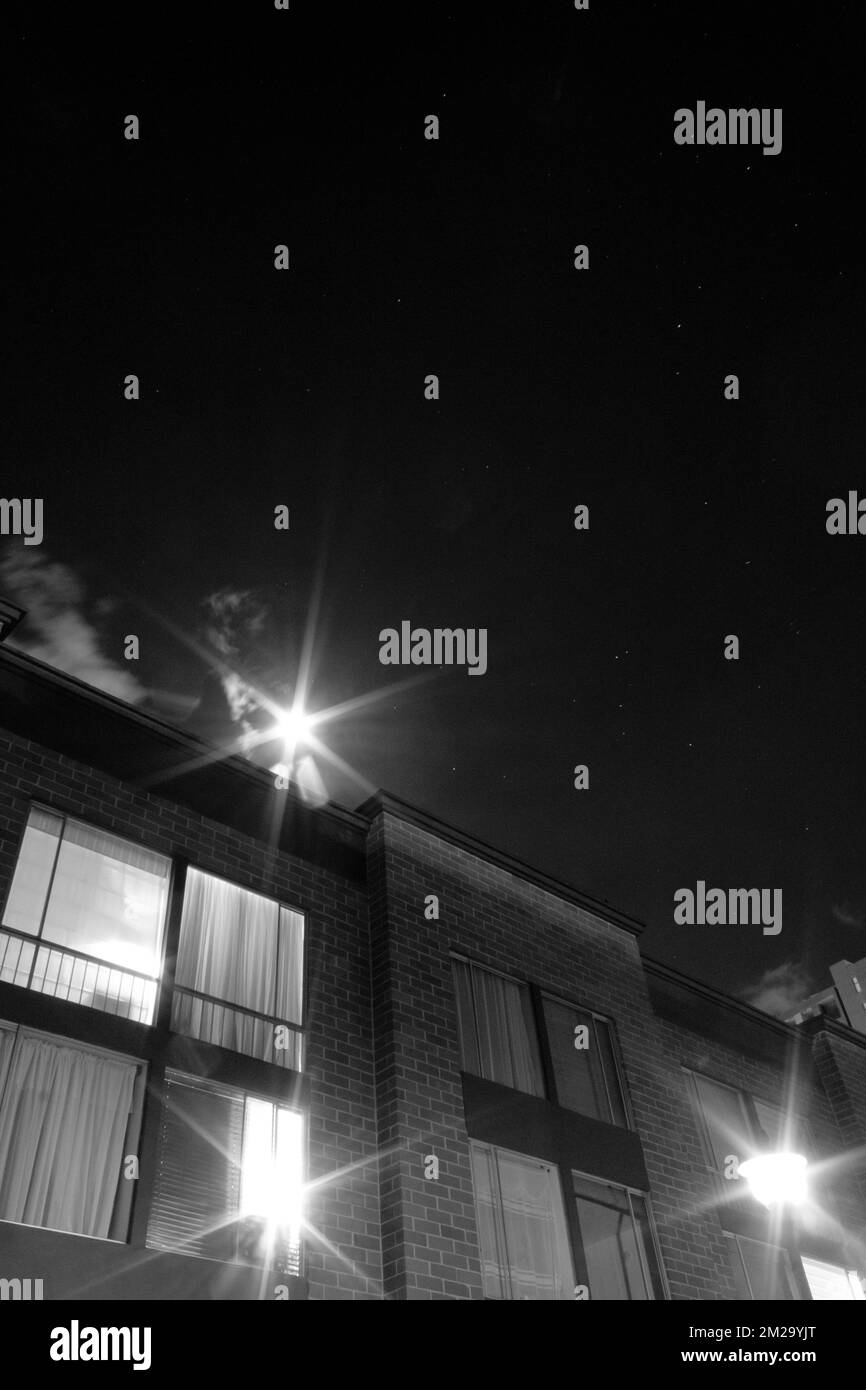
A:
x,y
777,1179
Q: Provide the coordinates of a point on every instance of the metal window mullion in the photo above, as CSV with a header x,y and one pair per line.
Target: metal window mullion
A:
x,y
475,1030
499,1211
15,1040
648,1286
48,892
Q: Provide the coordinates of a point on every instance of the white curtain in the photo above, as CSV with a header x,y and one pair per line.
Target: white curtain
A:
x,y
535,1233
7,1042
521,1227
506,1042
62,1125
241,948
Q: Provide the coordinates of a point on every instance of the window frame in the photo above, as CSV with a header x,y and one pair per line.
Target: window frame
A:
x,y
616,1055
126,1192
536,996
522,985
755,1133
732,1240
39,940
578,1255
194,1080
555,1173
169,976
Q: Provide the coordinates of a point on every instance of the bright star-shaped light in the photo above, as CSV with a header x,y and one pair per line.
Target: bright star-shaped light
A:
x,y
294,725
777,1179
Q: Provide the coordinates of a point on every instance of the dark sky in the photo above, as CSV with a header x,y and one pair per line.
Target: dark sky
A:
x,y
558,387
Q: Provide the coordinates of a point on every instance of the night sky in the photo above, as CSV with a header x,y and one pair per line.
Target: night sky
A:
x,y
558,387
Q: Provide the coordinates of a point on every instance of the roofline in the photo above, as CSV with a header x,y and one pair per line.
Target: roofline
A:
x,y
190,744
412,815
798,1031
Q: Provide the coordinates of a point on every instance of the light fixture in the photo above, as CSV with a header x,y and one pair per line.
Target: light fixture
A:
x,y
777,1179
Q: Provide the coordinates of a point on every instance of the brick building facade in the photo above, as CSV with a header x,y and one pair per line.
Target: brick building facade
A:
x,y
491,1093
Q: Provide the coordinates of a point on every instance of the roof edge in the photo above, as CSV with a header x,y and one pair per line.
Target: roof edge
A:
x,y
172,734
385,801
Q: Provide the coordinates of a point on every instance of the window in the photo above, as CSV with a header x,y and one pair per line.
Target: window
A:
x,y
84,917
726,1125
737,1125
760,1270
782,1130
69,1115
229,1176
521,1226
497,1030
240,966
585,1071
616,1242
833,1282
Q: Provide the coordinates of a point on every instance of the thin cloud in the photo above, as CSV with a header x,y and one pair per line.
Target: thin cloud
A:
x,y
844,914
780,991
234,617
60,627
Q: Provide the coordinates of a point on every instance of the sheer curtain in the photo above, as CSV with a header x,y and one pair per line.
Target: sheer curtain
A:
x,y
506,1035
62,1126
521,1227
241,948
535,1233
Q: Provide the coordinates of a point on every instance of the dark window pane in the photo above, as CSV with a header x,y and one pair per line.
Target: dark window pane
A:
x,y
648,1248
726,1124
196,1197
586,1078
466,1018
767,1270
611,1072
617,1244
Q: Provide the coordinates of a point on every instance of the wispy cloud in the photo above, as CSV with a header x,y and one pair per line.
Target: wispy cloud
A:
x,y
61,624
781,990
844,913
236,618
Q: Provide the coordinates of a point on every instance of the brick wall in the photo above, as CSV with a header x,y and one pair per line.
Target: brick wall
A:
x,y
342,1133
429,1235
841,1063
792,1083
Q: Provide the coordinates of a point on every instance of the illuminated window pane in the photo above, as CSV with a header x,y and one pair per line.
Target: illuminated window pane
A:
x,y
239,947
29,891
97,904
522,1229
230,1176
833,1282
